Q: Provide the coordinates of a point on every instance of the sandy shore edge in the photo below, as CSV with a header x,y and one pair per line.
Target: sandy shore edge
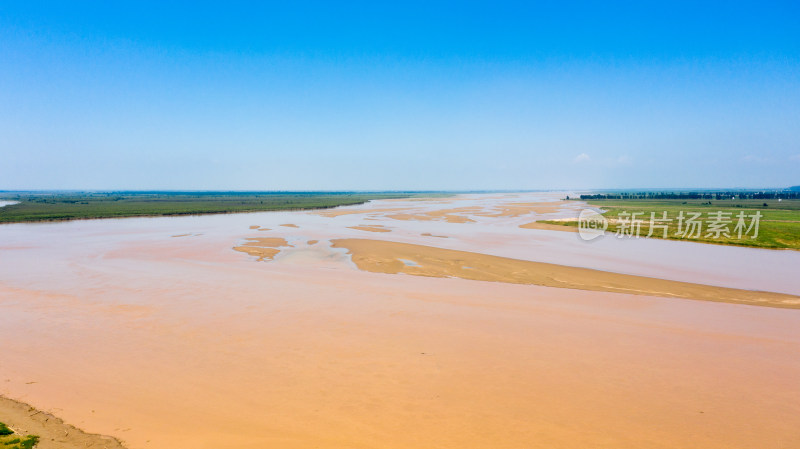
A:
x,y
54,433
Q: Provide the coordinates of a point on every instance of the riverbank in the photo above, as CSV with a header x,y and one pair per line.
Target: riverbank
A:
x,y
59,206
53,432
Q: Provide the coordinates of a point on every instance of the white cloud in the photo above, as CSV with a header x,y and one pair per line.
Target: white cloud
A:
x,y
583,157
624,160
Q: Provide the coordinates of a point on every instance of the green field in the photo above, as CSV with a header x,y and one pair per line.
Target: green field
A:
x,y
779,225
47,206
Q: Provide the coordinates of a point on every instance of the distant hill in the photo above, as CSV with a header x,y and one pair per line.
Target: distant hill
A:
x,y
795,188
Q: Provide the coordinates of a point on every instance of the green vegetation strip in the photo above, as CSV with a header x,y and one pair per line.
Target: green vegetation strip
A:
x,y
10,440
778,227
48,206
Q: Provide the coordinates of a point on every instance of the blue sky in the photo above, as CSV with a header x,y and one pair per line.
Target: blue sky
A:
x,y
404,95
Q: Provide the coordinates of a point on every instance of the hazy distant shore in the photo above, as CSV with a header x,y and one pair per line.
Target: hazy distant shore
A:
x,y
62,206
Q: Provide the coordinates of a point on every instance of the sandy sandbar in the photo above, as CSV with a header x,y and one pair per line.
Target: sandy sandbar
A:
x,y
381,256
520,209
548,227
339,212
447,215
265,248
370,228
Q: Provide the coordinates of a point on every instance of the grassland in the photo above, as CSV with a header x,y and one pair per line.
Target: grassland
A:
x,y
48,206
779,225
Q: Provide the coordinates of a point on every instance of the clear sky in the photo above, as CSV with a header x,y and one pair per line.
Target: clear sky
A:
x,y
398,95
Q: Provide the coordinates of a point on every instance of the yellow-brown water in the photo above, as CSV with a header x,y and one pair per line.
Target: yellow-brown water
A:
x,y
121,329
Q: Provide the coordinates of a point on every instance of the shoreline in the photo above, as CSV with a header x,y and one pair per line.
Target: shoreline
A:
x,y
58,207
176,214
571,225
53,432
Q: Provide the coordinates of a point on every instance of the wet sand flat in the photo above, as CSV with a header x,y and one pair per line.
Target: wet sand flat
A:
x,y
449,215
369,228
52,431
265,248
381,256
119,329
514,209
548,227
353,211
